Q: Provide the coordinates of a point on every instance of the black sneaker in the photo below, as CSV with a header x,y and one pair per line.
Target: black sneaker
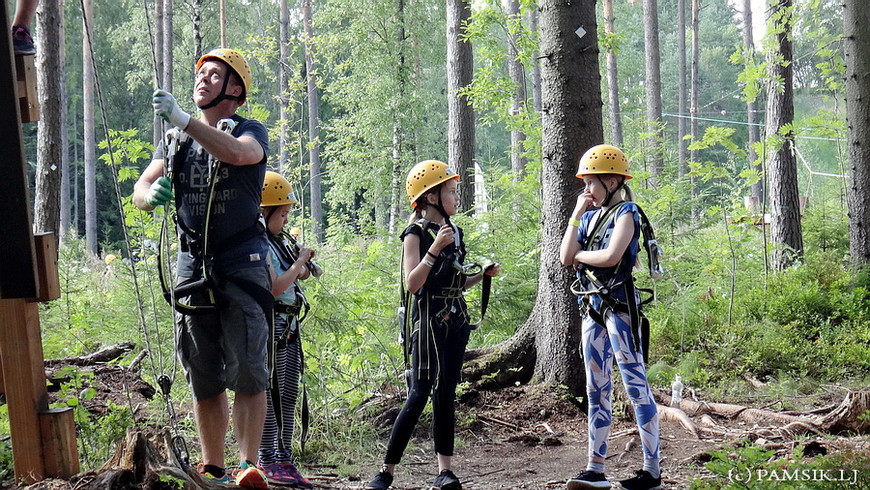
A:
x,y
446,480
642,480
381,481
588,479
22,42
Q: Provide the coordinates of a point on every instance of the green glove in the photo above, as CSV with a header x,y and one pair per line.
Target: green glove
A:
x,y
160,192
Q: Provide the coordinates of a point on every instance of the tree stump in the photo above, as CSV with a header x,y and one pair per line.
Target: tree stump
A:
x,y
143,459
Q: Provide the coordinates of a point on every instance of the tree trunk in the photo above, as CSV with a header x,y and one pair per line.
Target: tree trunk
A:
x,y
752,105
856,39
49,154
460,127
536,65
398,140
158,68
653,88
223,19
612,78
66,169
518,77
313,124
785,226
167,45
283,87
683,167
695,98
546,346
89,139
197,28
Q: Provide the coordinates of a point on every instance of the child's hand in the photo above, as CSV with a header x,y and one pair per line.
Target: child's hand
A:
x,y
584,202
444,238
305,254
491,270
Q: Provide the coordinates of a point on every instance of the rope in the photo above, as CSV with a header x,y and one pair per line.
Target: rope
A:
x,y
163,380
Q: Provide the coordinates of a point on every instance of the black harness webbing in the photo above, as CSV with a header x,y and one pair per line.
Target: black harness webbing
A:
x,y
405,316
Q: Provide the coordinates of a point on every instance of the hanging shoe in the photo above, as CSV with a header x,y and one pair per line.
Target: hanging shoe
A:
x,y
249,476
381,481
22,41
588,480
446,480
642,480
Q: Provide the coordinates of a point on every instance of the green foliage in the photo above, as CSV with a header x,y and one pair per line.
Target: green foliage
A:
x,y
96,434
748,466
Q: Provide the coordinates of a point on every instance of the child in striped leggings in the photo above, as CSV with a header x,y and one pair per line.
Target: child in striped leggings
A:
x,y
289,265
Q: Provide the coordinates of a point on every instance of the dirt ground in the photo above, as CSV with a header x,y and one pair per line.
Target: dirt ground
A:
x,y
526,438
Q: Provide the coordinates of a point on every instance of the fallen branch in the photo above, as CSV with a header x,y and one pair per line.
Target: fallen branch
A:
x,y
102,356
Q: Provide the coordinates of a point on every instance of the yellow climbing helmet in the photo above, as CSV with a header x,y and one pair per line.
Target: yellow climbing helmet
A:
x,y
235,61
603,159
427,175
277,191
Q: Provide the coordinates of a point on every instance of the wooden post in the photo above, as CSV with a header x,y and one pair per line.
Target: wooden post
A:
x,y
60,453
17,277
43,440
24,377
46,267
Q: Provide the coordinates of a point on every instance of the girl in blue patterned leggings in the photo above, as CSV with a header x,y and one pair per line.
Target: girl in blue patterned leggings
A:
x,y
602,243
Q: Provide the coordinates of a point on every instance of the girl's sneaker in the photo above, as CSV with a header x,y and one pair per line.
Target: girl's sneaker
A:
x,y
249,476
284,473
588,480
642,480
200,468
381,481
446,480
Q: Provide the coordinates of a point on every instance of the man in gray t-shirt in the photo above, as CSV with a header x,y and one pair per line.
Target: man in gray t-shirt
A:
x,y
225,348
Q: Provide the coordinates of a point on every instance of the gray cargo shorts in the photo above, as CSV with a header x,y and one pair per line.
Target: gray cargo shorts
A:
x,y
226,348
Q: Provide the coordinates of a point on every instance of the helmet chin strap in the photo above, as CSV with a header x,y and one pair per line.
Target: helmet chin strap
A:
x,y
610,193
223,95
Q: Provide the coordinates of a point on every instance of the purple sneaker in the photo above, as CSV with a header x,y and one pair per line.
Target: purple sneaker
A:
x,y
22,41
285,473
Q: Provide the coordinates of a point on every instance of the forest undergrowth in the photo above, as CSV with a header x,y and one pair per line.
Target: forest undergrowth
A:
x,y
725,322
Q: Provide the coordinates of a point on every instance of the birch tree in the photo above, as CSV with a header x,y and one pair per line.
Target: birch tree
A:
x,y
89,141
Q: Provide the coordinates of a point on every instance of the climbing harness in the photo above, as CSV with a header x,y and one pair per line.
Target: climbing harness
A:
x,y
448,295
286,249
605,283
